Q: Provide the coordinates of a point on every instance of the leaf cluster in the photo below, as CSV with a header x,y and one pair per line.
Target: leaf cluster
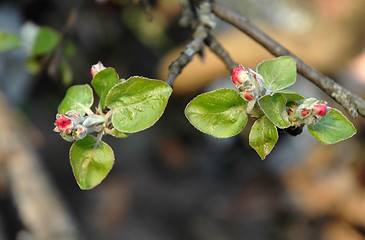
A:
x,y
223,113
126,106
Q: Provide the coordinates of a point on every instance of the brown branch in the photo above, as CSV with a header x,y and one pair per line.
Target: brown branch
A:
x,y
186,56
353,104
201,31
221,53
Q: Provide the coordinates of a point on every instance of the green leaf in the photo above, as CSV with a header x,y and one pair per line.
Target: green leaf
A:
x,y
46,41
32,65
137,103
70,49
220,113
9,41
118,134
66,72
274,108
263,136
90,164
332,128
278,73
103,82
78,98
290,95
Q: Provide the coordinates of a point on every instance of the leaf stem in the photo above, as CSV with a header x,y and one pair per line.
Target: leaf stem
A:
x,y
108,115
98,139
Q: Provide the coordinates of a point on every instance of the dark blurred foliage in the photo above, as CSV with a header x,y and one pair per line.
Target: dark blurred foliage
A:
x,y
170,181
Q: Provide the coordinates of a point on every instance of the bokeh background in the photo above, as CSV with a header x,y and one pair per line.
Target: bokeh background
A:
x,y
171,181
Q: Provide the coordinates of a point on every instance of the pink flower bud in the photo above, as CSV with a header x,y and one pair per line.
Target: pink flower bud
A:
x,y
63,123
320,109
74,116
96,68
239,75
248,95
79,133
305,113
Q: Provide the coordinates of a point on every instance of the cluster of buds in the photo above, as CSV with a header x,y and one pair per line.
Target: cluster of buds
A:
x,y
96,68
72,126
309,112
248,83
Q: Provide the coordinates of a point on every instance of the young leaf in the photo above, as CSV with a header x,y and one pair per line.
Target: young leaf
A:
x,y
66,72
137,103
118,134
32,65
332,128
220,113
8,41
263,136
274,108
90,164
78,98
278,73
103,82
290,95
46,41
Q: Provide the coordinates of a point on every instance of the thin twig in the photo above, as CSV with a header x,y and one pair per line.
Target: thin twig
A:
x,y
218,49
353,104
206,23
185,57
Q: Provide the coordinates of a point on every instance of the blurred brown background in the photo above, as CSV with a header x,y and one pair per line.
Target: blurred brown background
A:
x,y
171,181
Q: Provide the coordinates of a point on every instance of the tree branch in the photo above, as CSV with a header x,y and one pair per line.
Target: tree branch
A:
x,y
353,104
221,53
201,31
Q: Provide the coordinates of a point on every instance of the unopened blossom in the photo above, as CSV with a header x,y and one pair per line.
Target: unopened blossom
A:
x,y
96,68
68,125
75,116
63,124
80,132
72,126
248,95
249,84
305,112
309,112
320,109
239,76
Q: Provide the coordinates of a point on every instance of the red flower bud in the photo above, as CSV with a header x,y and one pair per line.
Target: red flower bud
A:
x,y
80,133
63,123
96,68
239,75
305,113
320,109
248,95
